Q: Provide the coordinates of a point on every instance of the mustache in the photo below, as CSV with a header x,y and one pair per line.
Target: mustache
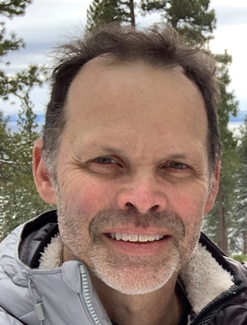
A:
x,y
162,220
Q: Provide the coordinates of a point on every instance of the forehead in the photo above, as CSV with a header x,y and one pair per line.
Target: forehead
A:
x,y
134,98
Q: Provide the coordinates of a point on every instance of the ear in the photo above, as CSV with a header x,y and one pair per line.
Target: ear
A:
x,y
41,176
214,189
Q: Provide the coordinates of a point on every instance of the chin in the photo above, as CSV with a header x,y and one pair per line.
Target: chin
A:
x,y
139,280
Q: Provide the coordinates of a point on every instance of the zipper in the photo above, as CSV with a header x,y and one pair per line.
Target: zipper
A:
x,y
38,305
86,296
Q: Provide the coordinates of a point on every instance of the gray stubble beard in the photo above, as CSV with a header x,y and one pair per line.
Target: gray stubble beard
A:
x,y
126,274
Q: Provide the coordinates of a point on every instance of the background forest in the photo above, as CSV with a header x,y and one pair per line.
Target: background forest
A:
x,y
19,201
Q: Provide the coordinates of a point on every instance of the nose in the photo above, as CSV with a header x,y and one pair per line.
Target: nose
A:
x,y
144,195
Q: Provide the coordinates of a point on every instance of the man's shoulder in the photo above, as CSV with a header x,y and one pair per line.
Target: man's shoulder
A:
x,y
26,238
7,319
234,311
223,259
216,285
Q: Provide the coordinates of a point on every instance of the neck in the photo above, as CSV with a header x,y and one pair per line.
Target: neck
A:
x,y
161,307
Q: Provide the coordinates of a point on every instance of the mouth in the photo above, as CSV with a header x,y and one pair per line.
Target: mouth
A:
x,y
135,238
134,243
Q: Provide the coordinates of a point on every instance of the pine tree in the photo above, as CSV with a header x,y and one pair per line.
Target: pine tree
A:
x,y
15,84
220,223
4,162
15,160
191,18
19,200
107,11
240,226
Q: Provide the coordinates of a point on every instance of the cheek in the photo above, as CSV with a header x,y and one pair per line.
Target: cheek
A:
x,y
90,195
189,206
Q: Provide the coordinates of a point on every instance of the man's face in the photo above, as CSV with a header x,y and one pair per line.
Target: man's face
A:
x,y
132,173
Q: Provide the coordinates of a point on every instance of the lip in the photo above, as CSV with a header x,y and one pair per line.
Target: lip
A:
x,y
138,231
140,249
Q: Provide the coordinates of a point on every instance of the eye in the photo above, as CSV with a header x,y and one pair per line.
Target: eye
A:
x,y
176,169
105,160
176,165
105,165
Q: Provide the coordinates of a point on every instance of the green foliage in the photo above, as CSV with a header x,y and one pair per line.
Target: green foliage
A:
x,y
107,11
22,81
223,213
240,220
154,5
19,200
4,145
191,18
13,7
243,171
240,258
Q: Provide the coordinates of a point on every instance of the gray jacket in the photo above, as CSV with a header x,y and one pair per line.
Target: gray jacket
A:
x,y
215,286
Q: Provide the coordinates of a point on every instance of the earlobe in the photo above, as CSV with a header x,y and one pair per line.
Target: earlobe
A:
x,y
213,189
41,176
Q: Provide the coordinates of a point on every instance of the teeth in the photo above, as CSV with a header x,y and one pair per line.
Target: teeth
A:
x,y
135,238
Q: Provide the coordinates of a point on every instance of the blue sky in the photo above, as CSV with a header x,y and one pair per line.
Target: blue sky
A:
x,y
47,22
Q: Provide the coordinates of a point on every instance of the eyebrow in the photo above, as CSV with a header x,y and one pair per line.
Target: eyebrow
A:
x,y
112,150
178,156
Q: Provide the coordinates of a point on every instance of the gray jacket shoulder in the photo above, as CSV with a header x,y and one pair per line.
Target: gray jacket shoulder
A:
x,y
6,319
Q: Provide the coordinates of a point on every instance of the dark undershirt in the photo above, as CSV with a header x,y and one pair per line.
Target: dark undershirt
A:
x,y
185,303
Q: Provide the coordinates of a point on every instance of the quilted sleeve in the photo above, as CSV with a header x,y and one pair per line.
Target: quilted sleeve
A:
x,y
6,319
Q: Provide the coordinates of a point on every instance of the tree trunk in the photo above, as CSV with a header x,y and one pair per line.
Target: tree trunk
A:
x,y
132,13
222,233
245,242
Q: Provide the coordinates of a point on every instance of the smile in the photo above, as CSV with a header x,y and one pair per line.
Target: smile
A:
x,y
135,237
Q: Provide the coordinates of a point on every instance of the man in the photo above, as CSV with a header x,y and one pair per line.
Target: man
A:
x,y
130,155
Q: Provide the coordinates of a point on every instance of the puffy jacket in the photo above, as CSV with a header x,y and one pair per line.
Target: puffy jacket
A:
x,y
215,285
